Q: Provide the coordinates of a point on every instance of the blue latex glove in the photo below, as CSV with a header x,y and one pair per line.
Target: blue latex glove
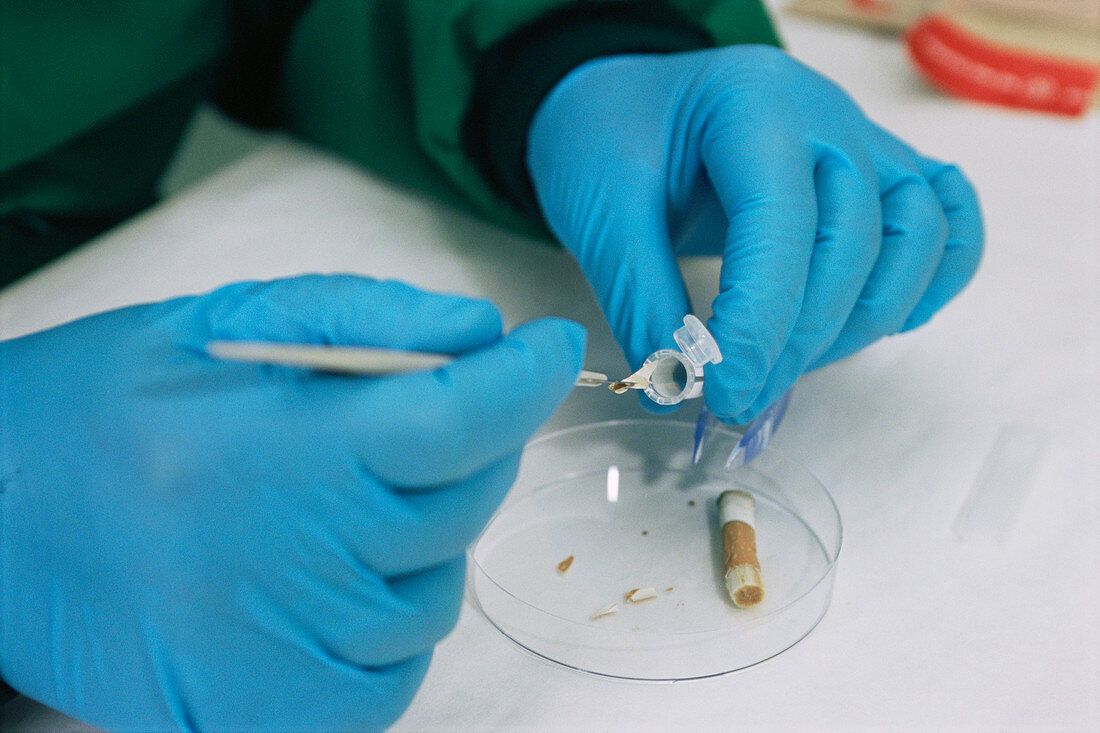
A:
x,y
832,232
199,544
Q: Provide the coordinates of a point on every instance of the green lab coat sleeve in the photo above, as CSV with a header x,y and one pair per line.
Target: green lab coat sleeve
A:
x,y
388,84
94,96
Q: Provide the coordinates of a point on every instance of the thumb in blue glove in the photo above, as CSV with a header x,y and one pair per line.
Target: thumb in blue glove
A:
x,y
188,543
832,232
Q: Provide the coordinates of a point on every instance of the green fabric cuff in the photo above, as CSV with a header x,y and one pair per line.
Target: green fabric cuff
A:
x,y
249,82
6,693
514,75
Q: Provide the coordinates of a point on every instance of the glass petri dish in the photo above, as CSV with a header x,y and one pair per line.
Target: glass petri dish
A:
x,y
624,501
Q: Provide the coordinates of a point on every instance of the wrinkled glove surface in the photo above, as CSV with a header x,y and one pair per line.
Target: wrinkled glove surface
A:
x,y
832,232
189,543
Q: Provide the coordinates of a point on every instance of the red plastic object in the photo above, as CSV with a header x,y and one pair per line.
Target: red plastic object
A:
x,y
969,66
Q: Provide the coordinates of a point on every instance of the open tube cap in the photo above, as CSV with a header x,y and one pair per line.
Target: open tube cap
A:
x,y
675,376
696,342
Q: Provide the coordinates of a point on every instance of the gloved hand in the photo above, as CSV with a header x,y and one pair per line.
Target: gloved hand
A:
x,y
200,544
832,232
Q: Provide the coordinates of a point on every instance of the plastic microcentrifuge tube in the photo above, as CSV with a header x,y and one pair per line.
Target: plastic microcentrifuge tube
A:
x,y
673,376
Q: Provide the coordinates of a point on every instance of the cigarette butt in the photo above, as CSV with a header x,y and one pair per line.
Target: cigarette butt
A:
x,y
637,595
736,512
608,610
565,564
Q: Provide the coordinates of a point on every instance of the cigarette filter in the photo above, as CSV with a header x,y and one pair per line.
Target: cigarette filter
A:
x,y
736,512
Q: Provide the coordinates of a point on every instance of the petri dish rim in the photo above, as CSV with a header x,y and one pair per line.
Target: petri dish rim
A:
x,y
655,680
832,555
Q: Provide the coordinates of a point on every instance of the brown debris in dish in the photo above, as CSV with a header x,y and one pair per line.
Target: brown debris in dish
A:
x,y
638,595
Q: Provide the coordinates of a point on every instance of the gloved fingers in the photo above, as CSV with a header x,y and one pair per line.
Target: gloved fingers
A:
x,y
380,698
349,310
395,533
601,188
369,621
341,695
849,226
959,203
914,232
893,156
629,262
772,210
641,292
963,249
430,429
637,280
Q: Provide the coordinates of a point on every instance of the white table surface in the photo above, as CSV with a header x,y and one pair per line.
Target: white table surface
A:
x,y
925,631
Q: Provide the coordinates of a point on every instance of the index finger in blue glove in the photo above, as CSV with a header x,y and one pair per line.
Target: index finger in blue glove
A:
x,y
434,428
772,210
613,222
635,275
641,289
